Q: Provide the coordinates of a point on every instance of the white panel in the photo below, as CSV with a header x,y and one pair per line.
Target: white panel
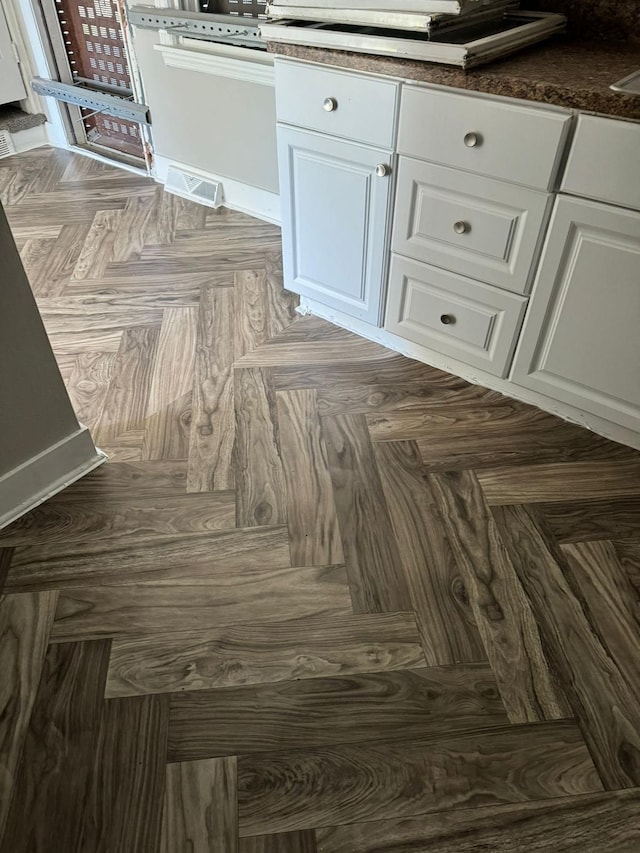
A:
x,y
581,342
514,142
330,208
212,124
11,85
503,223
365,107
604,162
335,214
453,315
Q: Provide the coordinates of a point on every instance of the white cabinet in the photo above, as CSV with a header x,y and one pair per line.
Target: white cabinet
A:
x,y
580,343
581,339
335,211
476,179
336,133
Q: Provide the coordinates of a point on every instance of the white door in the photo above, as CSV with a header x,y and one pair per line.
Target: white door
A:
x,y
581,341
335,217
11,85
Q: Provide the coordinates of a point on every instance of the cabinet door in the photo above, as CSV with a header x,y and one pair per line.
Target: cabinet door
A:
x,y
335,215
581,340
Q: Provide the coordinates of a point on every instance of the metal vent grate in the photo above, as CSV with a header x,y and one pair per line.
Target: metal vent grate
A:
x,y
194,187
6,144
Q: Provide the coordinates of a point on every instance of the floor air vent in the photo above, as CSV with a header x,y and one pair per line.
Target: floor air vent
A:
x,y
6,144
194,187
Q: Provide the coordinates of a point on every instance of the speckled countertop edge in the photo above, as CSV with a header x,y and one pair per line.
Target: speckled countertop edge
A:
x,y
570,74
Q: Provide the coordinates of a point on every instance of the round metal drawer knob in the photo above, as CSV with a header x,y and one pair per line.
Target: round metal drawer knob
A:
x,y
330,104
472,140
447,319
382,170
461,227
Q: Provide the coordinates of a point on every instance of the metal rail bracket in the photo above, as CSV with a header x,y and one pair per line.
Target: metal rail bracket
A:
x,y
230,29
92,99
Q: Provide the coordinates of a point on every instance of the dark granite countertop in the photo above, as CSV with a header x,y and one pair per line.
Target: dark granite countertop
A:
x,y
567,73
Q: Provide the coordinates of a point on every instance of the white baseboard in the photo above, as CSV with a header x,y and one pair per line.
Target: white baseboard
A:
x,y
238,196
32,137
608,429
46,474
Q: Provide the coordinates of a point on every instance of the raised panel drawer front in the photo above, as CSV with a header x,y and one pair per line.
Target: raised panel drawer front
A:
x,y
335,213
581,339
470,321
501,139
339,103
485,229
604,161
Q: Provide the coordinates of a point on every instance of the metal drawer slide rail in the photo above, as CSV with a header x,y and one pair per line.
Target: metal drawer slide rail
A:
x,y
231,29
91,99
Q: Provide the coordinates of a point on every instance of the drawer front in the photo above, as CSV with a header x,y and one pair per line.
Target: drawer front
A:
x,y
604,161
452,315
507,141
469,224
361,108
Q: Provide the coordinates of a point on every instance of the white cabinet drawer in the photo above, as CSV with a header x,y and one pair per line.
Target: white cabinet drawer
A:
x,y
472,322
503,140
604,161
337,102
469,224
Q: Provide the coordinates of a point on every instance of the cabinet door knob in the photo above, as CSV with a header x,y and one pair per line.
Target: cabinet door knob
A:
x,y
330,104
447,319
382,170
472,140
461,227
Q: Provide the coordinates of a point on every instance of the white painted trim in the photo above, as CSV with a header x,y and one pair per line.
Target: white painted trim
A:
x,y
46,474
32,137
240,67
608,429
238,196
33,56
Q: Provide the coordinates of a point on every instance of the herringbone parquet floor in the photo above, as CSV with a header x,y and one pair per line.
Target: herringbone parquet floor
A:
x,y
322,599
